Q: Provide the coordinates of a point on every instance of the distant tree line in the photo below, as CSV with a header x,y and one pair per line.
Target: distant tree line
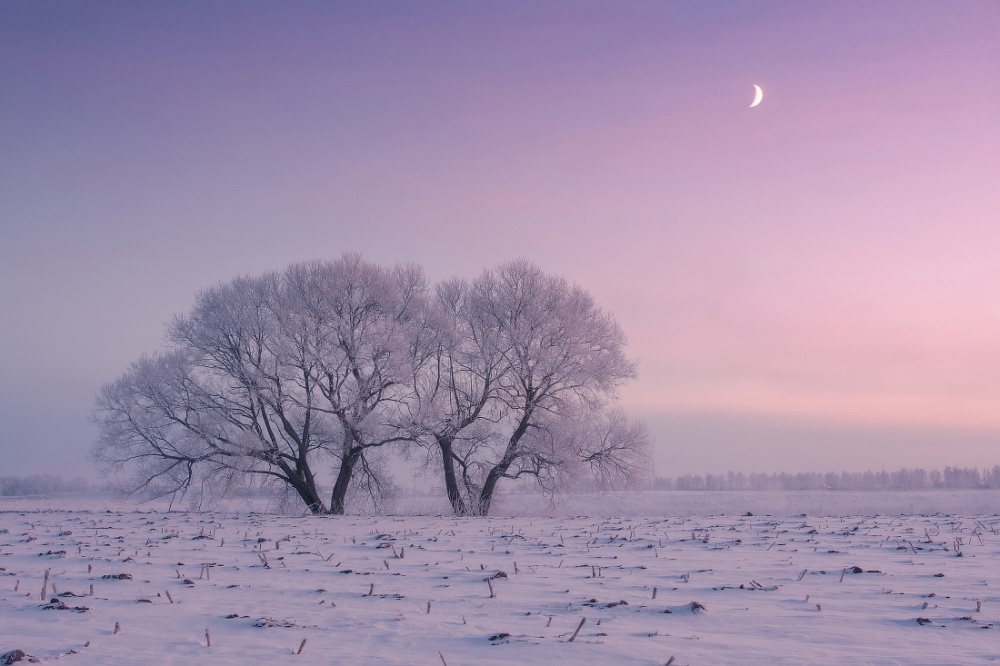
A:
x,y
315,374
43,484
950,478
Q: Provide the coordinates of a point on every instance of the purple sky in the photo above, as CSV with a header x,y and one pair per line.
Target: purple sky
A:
x,y
809,285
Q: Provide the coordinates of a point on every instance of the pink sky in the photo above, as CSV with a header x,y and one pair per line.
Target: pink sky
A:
x,y
811,284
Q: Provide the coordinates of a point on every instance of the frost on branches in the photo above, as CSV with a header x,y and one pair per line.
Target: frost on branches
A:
x,y
336,365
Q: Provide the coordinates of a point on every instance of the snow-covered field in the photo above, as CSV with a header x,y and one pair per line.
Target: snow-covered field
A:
x,y
827,578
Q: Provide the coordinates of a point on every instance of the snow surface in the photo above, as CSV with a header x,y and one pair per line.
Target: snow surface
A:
x,y
821,587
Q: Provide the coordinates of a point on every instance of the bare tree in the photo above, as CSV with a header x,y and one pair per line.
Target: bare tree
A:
x,y
458,390
366,325
532,359
269,377
235,398
332,365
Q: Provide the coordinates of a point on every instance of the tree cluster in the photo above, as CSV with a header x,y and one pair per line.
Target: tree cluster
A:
x,y
951,478
326,367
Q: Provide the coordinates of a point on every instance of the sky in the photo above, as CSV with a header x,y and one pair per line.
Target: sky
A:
x,y
812,284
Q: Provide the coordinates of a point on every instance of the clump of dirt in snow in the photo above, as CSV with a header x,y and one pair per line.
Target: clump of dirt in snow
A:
x,y
13,656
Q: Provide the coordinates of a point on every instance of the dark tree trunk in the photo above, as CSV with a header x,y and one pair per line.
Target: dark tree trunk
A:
x,y
450,480
486,496
311,498
347,464
301,479
500,469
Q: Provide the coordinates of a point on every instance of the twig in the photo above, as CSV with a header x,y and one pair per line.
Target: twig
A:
x,y
578,628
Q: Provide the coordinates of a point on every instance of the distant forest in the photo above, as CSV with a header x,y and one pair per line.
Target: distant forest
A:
x,y
951,478
43,484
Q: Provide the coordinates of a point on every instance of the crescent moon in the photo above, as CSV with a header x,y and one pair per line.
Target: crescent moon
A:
x,y
758,95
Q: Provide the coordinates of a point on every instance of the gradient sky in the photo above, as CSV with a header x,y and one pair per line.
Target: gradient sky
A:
x,y
809,285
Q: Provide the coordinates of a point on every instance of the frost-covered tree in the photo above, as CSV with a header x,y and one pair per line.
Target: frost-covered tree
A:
x,y
525,381
366,327
275,377
458,389
329,365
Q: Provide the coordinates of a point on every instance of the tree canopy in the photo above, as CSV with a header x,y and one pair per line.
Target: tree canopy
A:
x,y
330,364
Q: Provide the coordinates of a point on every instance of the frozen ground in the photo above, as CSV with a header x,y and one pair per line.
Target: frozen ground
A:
x,y
875,578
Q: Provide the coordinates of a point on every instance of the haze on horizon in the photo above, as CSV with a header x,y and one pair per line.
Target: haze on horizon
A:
x,y
808,285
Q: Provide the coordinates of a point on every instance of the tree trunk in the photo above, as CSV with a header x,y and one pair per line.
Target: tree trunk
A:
x,y
347,464
486,496
304,486
311,499
509,456
450,481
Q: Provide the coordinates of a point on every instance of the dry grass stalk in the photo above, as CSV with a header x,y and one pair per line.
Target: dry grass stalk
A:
x,y
45,584
654,592
578,628
442,658
118,628
802,575
371,590
301,645
428,608
208,639
490,583
169,598
842,575
979,605
91,589
549,623
670,661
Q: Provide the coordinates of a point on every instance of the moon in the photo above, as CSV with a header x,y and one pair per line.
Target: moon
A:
x,y
757,95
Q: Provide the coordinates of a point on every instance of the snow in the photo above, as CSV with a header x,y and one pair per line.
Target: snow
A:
x,y
696,580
